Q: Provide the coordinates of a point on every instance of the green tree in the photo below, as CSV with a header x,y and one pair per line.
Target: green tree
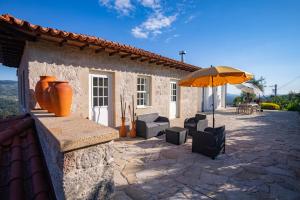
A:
x,y
260,83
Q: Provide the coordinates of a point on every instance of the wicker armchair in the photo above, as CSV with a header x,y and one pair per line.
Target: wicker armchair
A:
x,y
209,142
197,123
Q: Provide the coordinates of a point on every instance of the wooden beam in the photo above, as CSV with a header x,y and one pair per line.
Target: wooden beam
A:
x,y
160,62
143,59
99,50
123,54
112,53
134,57
62,42
83,46
167,64
4,39
15,32
152,61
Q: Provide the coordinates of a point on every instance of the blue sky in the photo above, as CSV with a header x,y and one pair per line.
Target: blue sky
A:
x,y
259,36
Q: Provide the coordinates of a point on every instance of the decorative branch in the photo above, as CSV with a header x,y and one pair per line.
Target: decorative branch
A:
x,y
123,105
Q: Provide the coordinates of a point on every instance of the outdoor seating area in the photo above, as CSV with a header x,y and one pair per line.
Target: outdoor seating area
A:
x,y
248,108
261,162
206,140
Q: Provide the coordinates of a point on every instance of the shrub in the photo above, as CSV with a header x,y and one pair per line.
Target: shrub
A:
x,y
237,101
293,106
270,106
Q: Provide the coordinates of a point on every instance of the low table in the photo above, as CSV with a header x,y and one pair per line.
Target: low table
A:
x,y
176,135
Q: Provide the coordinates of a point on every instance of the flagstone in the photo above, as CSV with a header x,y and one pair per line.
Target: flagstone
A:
x,y
261,162
276,191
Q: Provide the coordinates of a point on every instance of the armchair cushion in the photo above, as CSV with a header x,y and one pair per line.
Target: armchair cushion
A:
x,y
148,117
161,119
162,123
200,117
194,124
151,125
190,125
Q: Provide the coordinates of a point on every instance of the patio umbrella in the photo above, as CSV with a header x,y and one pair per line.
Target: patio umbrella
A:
x,y
248,88
215,76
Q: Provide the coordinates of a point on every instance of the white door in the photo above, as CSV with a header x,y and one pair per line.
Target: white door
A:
x,y
100,110
173,100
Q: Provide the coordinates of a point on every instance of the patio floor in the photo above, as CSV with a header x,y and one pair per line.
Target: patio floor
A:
x,y
262,161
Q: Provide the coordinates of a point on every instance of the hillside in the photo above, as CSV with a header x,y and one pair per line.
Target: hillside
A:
x,y
8,88
230,98
8,98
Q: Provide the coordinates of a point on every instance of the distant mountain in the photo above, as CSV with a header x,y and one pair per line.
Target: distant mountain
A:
x,y
8,98
8,88
230,98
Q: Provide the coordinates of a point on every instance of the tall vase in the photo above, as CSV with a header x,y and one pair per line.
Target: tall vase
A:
x,y
61,97
132,132
40,88
47,97
122,131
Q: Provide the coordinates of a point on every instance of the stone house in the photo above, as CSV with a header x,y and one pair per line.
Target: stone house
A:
x,y
99,71
74,148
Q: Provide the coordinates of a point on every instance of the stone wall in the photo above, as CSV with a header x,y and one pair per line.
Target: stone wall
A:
x,y
75,65
84,173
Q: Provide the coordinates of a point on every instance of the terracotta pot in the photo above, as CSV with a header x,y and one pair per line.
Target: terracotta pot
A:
x,y
132,132
49,105
123,131
61,98
40,87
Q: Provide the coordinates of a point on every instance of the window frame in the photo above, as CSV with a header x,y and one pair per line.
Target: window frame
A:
x,y
101,97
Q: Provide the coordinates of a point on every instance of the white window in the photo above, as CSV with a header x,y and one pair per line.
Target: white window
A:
x,y
173,86
143,91
100,91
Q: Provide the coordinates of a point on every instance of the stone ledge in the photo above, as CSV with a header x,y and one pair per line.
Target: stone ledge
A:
x,y
73,132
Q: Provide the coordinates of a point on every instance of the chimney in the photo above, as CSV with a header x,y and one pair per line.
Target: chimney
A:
x,y
182,53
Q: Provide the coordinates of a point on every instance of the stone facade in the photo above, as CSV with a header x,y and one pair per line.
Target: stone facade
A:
x,y
75,65
85,173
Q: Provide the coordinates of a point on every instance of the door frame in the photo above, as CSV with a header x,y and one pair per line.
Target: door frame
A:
x,y
177,98
110,94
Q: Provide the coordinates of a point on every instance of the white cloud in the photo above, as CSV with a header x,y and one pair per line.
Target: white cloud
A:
x,y
121,6
157,20
171,38
154,25
190,18
150,3
139,33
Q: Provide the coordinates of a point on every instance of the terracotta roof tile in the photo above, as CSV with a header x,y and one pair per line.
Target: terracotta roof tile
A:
x,y
91,40
23,174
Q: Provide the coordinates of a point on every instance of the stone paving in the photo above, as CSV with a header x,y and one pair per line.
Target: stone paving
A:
x,y
262,161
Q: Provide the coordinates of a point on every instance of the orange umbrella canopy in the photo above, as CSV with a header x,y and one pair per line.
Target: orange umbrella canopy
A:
x,y
221,76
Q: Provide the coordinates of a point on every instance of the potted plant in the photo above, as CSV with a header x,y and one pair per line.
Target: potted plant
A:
x,y
122,131
132,132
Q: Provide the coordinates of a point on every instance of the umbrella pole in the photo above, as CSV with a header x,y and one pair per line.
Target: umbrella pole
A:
x,y
213,100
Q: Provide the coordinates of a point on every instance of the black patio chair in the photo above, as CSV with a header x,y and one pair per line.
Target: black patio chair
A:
x,y
197,123
209,142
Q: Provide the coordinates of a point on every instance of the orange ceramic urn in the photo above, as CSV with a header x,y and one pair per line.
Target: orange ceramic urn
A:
x,y
49,105
123,131
132,132
61,98
40,88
